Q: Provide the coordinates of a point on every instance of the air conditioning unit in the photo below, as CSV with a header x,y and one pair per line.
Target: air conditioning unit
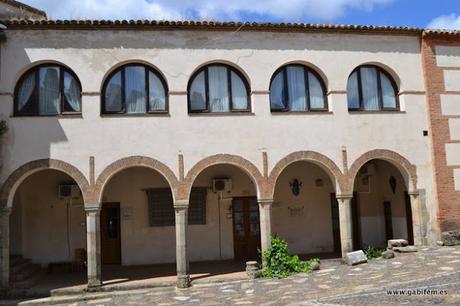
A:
x,y
221,185
69,191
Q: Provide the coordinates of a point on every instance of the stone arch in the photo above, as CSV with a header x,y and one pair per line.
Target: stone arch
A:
x,y
20,174
336,176
129,162
407,170
223,159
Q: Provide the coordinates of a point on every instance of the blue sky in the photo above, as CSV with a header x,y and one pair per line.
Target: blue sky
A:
x,y
417,13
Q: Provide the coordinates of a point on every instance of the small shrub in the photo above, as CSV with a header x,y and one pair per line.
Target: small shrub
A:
x,y
279,264
372,253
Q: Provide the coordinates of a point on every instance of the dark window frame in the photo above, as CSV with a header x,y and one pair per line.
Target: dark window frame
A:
x,y
379,71
167,214
123,112
230,69
306,70
34,98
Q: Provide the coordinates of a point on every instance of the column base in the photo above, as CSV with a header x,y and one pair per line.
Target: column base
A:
x,y
94,285
183,281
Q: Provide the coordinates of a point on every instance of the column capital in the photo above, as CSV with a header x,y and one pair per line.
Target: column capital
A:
x,y
265,202
413,193
93,207
344,196
181,204
4,211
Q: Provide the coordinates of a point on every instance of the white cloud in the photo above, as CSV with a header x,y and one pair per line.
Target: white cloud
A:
x,y
448,22
286,10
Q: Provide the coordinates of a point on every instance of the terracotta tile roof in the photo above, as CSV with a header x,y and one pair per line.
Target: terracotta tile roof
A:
x,y
205,25
15,24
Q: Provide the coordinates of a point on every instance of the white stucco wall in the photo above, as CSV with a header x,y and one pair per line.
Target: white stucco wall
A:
x,y
92,55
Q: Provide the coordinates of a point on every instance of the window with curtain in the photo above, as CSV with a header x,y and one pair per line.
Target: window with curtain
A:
x,y
47,90
218,88
370,88
297,88
134,89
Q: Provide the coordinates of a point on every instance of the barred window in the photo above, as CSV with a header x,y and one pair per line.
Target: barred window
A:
x,y
161,207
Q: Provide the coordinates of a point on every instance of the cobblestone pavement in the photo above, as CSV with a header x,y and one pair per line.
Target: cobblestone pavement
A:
x,y
421,274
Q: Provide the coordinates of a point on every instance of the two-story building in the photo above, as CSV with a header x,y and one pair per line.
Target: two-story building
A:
x,y
145,142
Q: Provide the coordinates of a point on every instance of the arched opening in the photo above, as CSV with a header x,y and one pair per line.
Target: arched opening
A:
x,y
137,226
47,230
223,221
381,208
305,211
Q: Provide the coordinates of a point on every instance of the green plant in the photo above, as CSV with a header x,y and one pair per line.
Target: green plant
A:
x,y
372,253
279,264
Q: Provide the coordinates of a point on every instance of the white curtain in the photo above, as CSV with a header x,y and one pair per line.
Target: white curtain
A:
x,y
277,92
157,96
197,93
72,92
26,90
370,89
316,92
296,89
49,96
218,89
113,94
239,94
352,91
388,92
135,94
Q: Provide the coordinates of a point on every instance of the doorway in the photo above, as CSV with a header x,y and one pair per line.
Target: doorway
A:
x,y
110,234
246,228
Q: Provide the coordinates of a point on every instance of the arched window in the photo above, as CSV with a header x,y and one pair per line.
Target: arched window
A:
x,y
218,88
47,89
297,88
370,88
134,89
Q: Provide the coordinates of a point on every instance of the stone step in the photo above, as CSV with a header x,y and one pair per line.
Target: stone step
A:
x,y
25,273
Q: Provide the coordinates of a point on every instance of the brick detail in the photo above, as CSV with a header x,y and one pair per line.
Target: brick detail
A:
x,y
448,215
25,170
337,177
222,159
129,162
407,169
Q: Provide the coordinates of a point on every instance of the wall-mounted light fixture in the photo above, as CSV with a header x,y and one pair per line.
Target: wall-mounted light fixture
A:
x,y
295,186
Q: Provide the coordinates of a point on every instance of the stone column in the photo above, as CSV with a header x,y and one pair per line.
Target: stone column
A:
x,y
5,246
346,227
416,217
265,212
93,242
183,277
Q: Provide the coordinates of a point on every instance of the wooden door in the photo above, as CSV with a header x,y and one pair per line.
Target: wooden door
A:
x,y
410,229
388,220
335,224
110,234
246,228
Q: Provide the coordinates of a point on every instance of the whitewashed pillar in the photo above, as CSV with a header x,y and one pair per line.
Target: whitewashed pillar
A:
x,y
416,217
93,242
265,215
345,220
181,215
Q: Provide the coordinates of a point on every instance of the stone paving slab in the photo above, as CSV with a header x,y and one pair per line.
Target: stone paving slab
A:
x,y
429,269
